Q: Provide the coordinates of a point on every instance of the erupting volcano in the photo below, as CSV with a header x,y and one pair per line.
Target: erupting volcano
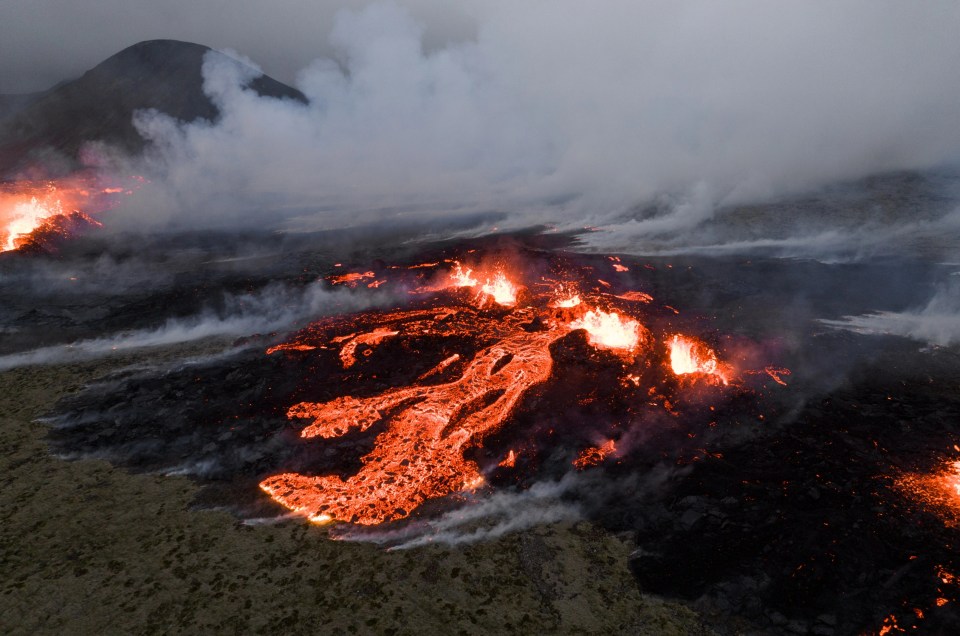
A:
x,y
468,395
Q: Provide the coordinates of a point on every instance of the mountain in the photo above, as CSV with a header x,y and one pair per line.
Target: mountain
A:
x,y
50,128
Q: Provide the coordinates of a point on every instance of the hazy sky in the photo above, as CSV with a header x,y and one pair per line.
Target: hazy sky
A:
x,y
45,41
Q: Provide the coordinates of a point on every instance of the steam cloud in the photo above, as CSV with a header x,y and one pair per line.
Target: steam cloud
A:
x,y
571,115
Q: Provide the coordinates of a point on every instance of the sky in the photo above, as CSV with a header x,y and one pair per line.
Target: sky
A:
x,y
45,41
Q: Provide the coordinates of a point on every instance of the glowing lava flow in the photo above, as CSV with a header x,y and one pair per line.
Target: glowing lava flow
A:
x,y
690,356
425,427
420,455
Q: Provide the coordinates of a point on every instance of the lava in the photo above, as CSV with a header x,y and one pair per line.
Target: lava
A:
x,y
594,455
420,455
690,356
938,492
32,213
425,427
609,330
501,290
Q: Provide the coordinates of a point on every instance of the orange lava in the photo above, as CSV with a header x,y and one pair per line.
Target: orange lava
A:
x,y
938,492
501,290
350,279
420,455
777,374
689,356
348,352
509,461
594,455
425,427
636,296
32,212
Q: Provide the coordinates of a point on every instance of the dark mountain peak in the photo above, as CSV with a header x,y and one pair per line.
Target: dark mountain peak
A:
x,y
165,75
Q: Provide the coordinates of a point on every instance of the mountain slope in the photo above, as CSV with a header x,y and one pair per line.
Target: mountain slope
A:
x,y
99,106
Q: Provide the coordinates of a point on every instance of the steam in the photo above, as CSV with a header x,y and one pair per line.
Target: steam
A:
x,y
277,307
485,519
938,322
566,114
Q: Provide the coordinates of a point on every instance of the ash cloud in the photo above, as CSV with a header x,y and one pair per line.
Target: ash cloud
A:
x,y
570,115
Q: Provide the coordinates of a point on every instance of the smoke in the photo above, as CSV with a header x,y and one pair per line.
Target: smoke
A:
x,y
568,114
484,519
573,497
276,307
937,323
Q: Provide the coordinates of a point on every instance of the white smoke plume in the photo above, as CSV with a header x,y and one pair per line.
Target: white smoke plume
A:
x,y
569,114
483,519
275,308
937,323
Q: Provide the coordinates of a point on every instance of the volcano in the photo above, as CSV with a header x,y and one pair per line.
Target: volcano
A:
x,y
50,129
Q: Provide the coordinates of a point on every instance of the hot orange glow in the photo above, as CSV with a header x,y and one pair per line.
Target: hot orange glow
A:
x,y
420,455
349,350
938,492
426,425
462,277
636,296
34,211
594,455
501,290
690,356
609,330
351,278
567,303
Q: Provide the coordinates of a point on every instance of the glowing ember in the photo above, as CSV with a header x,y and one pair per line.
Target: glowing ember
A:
x,y
636,296
594,455
938,492
509,461
609,330
777,374
690,356
350,279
